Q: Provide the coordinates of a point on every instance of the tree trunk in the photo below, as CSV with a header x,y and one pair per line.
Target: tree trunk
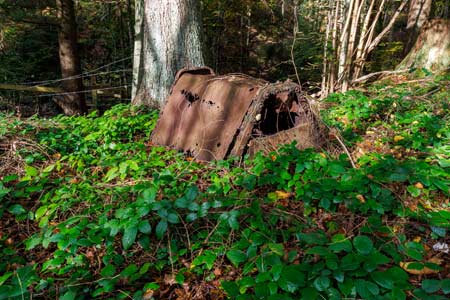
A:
x,y
73,102
419,10
432,49
167,38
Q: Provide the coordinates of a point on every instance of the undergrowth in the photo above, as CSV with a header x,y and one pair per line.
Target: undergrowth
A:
x,y
91,209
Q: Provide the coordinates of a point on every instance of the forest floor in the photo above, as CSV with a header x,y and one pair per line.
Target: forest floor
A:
x,y
90,209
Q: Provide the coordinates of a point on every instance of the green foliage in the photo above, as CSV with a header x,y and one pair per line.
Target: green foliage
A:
x,y
112,214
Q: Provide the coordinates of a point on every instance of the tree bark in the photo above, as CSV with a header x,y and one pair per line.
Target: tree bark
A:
x,y
73,102
167,38
419,10
432,49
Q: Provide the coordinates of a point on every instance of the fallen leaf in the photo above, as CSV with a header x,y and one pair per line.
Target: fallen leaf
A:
x,y
361,198
441,247
425,270
169,279
148,294
282,194
398,138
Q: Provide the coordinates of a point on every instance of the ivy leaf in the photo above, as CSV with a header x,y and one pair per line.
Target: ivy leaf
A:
x,y
108,271
291,279
173,218
231,288
363,244
383,279
236,257
278,249
181,202
31,171
5,277
129,237
145,227
69,295
149,195
398,294
17,209
366,288
445,285
431,285
321,283
340,243
161,228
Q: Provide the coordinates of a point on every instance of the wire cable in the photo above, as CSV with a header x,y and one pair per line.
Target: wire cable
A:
x,y
85,74
85,91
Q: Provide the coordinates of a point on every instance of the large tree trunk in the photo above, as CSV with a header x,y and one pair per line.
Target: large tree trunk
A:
x,y
432,49
167,38
419,10
73,102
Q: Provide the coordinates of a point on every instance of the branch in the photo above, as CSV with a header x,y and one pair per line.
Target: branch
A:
x,y
366,77
377,40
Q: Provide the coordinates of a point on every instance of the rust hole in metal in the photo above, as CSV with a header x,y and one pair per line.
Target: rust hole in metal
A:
x,y
275,116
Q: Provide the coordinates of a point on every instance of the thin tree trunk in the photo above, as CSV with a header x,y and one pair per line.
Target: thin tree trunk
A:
x,y
343,42
351,43
332,78
379,37
326,63
362,37
73,102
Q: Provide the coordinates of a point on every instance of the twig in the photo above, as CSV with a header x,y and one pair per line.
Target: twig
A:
x,y
344,148
293,43
366,77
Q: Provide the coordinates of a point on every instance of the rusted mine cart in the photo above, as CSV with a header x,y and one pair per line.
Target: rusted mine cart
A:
x,y
212,117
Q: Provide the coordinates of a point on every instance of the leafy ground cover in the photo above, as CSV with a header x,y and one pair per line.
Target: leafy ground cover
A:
x,y
90,209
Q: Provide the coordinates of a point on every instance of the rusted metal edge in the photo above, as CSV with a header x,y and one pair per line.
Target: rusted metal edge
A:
x,y
243,135
204,70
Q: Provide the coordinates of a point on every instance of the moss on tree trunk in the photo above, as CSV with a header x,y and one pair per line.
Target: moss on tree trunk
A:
x,y
432,48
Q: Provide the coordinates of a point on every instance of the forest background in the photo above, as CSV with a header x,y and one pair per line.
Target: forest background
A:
x,y
90,209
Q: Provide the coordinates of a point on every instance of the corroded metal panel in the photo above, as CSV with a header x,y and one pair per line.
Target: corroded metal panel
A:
x,y
211,117
203,113
301,134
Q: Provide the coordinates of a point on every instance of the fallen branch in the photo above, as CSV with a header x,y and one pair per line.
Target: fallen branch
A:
x,y
368,76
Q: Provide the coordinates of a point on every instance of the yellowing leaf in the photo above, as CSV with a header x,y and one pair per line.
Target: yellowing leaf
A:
x,y
282,194
417,239
398,138
148,294
361,198
426,204
425,271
